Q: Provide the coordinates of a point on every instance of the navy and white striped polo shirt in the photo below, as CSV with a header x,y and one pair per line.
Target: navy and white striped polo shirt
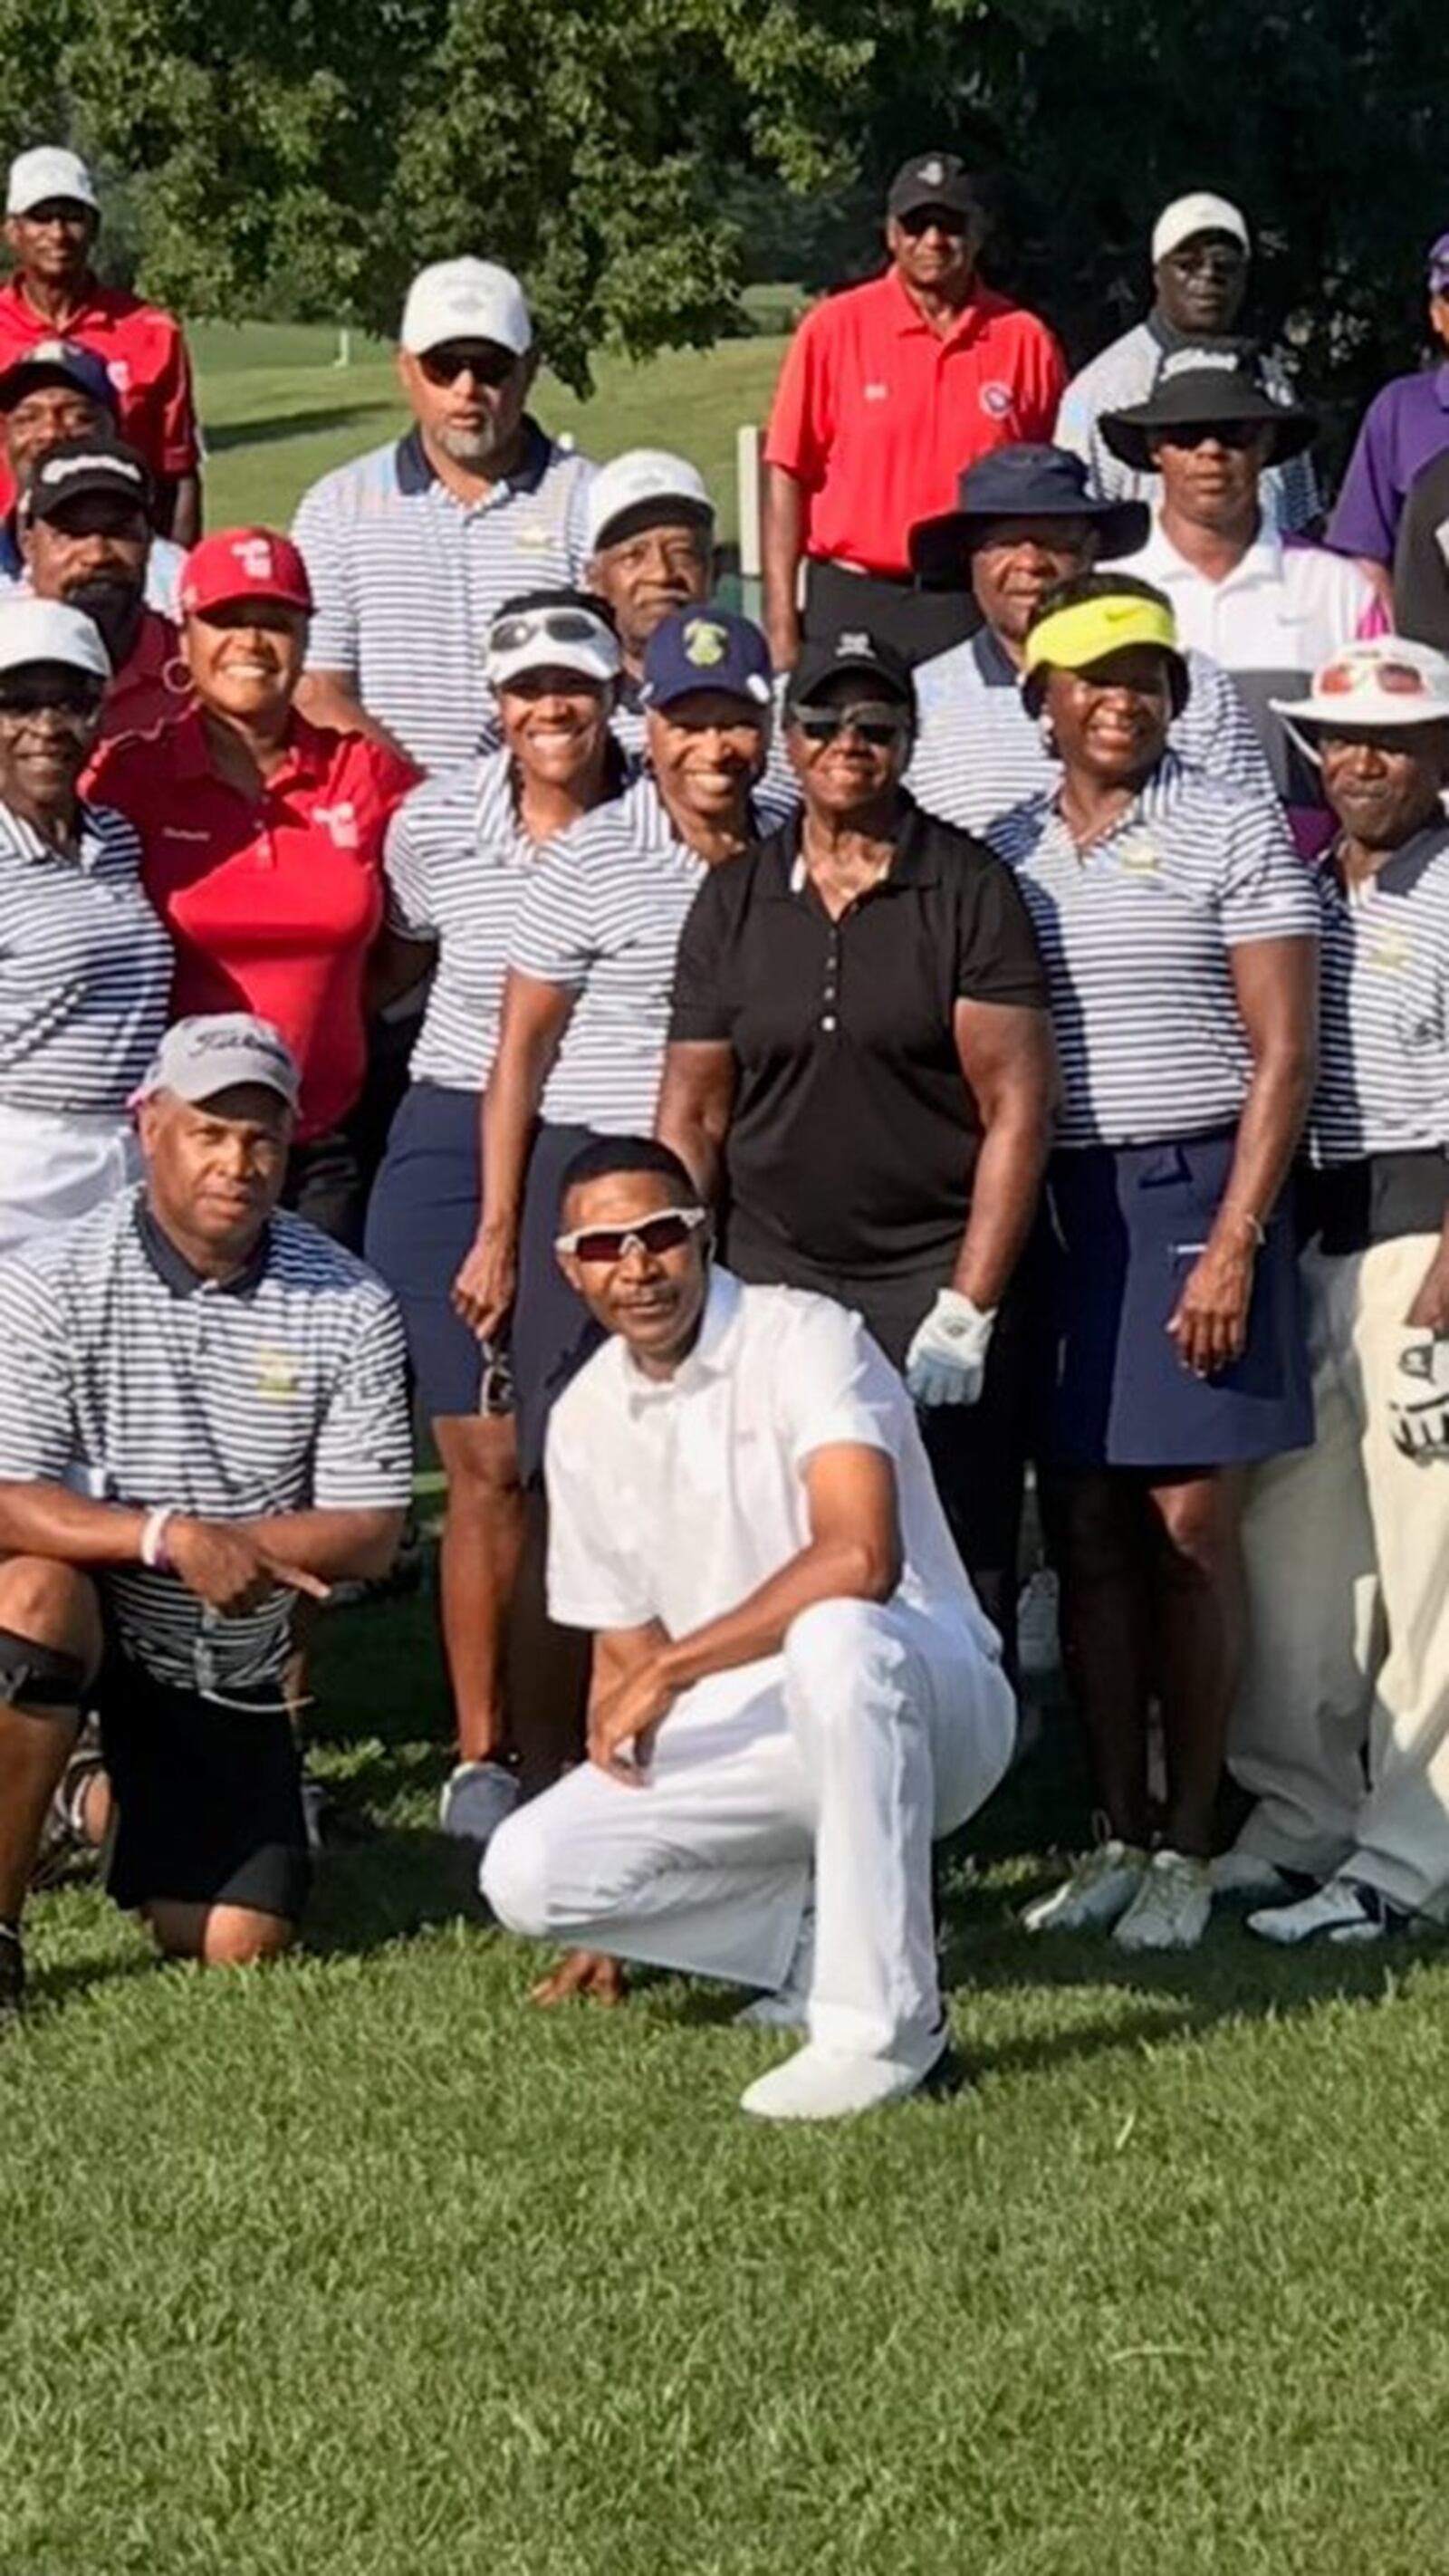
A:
x,y
458,861
978,753
407,579
602,915
85,969
128,1377
1383,1044
1136,934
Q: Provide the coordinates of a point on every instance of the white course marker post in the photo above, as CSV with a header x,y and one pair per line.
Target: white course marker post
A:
x,y
748,444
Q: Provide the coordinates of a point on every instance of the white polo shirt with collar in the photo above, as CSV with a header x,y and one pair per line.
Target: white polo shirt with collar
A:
x,y
1281,613
675,1499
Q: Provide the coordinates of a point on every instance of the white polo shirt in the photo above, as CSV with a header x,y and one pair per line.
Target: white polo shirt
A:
x,y
1272,621
675,1499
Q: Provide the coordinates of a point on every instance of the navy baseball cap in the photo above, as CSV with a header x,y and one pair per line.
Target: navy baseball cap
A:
x,y
852,654
1031,481
57,362
705,648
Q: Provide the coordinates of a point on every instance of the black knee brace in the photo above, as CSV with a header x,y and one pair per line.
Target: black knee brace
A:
x,y
35,1676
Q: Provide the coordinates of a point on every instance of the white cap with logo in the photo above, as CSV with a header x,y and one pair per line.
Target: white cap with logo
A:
x,y
217,1051
45,630
1202,212
46,172
634,485
465,299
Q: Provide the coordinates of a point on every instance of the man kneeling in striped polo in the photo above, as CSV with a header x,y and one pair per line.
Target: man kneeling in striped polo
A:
x,y
202,1417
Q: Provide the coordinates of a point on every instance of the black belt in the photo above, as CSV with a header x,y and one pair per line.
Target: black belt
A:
x,y
1376,1200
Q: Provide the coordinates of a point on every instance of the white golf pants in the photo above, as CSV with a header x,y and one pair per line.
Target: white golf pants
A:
x,y
1341,1730
877,1728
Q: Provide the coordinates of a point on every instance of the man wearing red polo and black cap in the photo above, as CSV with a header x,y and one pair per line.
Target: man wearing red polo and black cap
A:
x,y
52,217
262,838
887,391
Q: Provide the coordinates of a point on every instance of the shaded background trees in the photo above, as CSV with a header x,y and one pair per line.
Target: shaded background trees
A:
x,y
639,157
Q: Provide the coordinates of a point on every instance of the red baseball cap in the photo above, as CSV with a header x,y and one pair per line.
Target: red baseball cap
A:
x,y
243,563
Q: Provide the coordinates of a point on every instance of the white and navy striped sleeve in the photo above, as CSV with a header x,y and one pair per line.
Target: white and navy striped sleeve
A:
x,y
333,640
363,1458
405,857
1215,731
38,1441
1265,891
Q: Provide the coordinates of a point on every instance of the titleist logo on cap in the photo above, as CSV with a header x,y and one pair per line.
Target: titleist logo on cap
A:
x,y
1203,362
61,469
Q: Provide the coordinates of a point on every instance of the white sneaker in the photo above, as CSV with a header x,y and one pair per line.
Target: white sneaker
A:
x,y
1249,1877
822,2084
787,2007
1345,1911
1171,1907
1100,1888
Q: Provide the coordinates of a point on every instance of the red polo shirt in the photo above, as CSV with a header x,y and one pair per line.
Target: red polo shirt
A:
x,y
144,354
272,906
877,414
151,687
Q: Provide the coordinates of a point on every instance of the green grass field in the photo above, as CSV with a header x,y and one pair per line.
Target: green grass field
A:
x,y
360,2267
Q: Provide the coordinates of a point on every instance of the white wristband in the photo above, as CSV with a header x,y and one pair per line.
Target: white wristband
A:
x,y
153,1537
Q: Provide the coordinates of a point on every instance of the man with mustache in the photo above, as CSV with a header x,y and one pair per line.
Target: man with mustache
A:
x,y
85,532
651,551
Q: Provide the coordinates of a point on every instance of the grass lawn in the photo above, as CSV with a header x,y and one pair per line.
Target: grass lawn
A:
x,y
361,2265
279,412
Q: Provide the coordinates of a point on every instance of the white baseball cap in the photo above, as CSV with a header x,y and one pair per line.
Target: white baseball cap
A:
x,y
632,485
1202,212
465,299
45,630
558,632
1384,681
49,171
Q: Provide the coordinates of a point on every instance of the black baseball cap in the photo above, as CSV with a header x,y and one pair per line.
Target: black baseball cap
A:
x,y
934,179
852,653
77,468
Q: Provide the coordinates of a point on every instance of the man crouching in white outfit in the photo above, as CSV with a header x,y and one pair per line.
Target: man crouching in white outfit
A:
x,y
793,1687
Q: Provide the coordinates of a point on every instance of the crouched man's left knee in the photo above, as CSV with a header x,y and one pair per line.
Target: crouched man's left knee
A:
x,y
829,1651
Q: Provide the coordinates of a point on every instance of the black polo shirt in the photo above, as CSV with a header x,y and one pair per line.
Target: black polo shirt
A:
x,y
854,1136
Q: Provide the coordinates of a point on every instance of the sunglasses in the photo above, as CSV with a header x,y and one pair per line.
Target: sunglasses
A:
x,y
933,219
1236,434
653,1234
879,726
486,366
546,626
75,699
1396,679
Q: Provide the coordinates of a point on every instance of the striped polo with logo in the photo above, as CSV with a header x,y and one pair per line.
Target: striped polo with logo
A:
x,y
407,579
602,915
128,1376
1383,1041
1136,933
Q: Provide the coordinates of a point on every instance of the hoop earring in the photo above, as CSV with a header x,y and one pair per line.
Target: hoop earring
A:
x,y
176,678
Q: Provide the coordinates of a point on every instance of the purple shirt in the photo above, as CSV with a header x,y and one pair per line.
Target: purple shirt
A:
x,y
1405,427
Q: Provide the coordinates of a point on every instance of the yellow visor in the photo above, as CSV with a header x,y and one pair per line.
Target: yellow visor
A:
x,y
1072,639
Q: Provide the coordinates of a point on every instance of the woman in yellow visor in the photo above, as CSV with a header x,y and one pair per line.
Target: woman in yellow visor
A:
x,y
1179,935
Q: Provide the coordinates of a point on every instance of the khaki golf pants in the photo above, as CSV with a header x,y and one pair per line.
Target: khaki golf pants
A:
x,y
1341,1731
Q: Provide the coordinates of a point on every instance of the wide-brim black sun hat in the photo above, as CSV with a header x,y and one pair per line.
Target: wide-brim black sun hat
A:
x,y
1210,388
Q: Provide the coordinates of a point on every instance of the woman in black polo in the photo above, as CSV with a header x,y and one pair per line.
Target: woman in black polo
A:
x,y
860,1070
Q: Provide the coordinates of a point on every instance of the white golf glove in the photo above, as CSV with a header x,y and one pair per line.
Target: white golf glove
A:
x,y
947,1358
1419,1405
